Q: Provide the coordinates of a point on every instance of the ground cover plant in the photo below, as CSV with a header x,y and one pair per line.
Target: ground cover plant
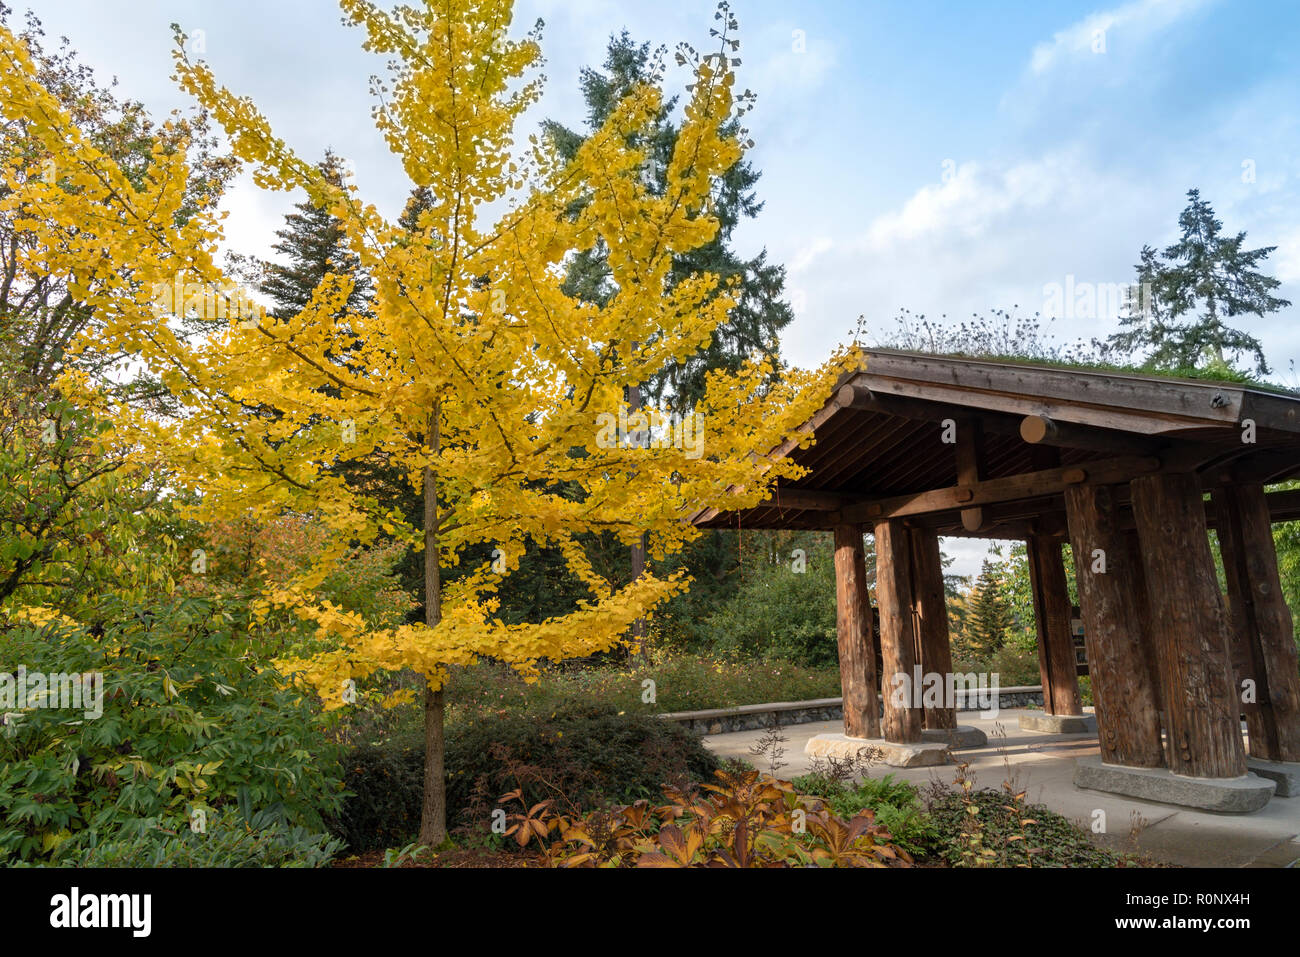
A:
x,y
742,819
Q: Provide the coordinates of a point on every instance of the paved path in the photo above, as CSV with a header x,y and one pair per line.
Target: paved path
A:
x,y
1043,764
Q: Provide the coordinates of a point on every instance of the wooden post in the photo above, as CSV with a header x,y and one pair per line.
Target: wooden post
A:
x,y
930,620
1261,646
1189,627
1123,688
1150,649
1052,613
853,630
902,724
970,458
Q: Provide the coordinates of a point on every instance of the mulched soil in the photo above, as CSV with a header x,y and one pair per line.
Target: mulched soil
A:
x,y
458,857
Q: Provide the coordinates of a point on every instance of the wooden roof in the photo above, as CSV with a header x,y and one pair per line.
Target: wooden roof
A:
x,y
1024,432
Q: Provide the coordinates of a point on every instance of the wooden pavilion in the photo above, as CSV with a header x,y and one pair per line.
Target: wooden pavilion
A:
x,y
1131,471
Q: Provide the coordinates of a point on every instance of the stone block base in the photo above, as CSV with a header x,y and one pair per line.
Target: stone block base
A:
x,y
918,755
959,738
1058,723
1286,774
1221,795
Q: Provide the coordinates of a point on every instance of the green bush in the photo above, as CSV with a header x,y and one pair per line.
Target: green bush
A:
x,y
189,721
385,789
682,683
1085,689
585,756
895,803
229,841
1013,666
778,613
1050,841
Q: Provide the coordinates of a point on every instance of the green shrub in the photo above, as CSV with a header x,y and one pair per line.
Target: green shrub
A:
x,y
1014,667
583,755
385,789
894,801
229,841
188,722
1050,841
1085,689
682,683
778,613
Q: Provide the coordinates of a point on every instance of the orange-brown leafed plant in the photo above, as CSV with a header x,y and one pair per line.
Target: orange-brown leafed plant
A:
x,y
745,820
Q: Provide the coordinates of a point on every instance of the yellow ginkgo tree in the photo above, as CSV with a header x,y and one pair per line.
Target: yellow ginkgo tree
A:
x,y
500,394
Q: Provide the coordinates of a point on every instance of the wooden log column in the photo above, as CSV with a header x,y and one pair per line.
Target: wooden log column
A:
x,y
1261,646
930,620
1123,687
902,723
1189,627
853,630
1052,613
1150,650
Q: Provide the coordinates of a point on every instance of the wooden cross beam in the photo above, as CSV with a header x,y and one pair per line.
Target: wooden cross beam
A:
x,y
1044,430
970,461
1008,489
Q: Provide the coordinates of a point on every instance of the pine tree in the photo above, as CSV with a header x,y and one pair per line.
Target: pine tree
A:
x,y
760,312
1191,290
989,617
315,245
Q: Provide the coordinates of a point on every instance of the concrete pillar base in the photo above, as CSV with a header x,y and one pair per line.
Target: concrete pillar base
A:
x,y
958,739
920,754
1221,795
1058,723
1285,773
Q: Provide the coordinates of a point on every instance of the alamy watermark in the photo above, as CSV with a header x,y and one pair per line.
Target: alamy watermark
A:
x,y
1096,300
651,429
206,300
964,692
23,690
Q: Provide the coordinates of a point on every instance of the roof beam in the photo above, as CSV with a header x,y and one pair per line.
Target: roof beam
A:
x,y
854,395
1044,430
1025,485
1103,398
808,499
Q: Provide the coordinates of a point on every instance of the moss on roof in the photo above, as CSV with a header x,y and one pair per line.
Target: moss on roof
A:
x,y
1197,375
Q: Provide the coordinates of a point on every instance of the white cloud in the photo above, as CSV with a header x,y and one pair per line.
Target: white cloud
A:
x,y
1136,20
804,258
1287,257
991,237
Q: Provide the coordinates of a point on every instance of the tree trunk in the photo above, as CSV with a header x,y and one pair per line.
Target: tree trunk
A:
x,y
433,812
638,548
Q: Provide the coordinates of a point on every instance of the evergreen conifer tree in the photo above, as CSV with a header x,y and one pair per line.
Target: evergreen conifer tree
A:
x,y
313,244
761,312
990,617
1191,292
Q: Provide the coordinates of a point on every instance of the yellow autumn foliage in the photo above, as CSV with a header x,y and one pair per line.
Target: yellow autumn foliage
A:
x,y
473,367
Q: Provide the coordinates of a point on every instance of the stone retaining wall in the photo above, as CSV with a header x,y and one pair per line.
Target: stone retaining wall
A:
x,y
752,717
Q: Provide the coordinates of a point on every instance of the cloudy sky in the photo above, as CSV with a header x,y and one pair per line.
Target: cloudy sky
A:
x,y
941,157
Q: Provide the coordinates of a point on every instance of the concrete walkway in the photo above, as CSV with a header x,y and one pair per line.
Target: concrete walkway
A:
x,y
1043,764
